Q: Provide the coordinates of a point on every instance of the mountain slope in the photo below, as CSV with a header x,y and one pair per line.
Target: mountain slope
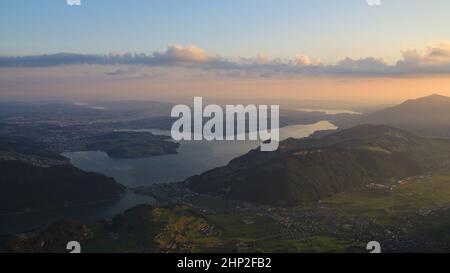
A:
x,y
428,116
140,229
28,151
26,187
307,170
34,178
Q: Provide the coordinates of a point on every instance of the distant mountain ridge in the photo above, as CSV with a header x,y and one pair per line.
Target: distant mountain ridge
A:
x,y
307,170
427,116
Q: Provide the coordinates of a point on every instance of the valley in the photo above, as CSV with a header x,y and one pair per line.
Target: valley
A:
x,y
402,220
324,191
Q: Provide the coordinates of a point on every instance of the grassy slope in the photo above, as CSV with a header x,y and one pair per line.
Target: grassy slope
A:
x,y
179,228
232,234
413,197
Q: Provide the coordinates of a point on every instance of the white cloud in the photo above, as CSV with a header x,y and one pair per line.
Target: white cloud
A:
x,y
431,55
429,60
179,53
302,60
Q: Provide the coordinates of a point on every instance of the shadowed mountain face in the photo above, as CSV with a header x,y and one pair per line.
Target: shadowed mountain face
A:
x,y
428,116
33,178
28,151
26,187
304,171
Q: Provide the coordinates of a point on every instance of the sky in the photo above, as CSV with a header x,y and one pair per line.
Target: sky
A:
x,y
149,49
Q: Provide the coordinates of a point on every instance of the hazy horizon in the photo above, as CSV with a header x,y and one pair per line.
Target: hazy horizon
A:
x,y
318,50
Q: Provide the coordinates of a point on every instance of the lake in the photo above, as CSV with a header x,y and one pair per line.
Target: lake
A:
x,y
87,214
194,157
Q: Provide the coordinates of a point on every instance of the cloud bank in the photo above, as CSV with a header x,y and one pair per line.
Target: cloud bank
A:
x,y
430,60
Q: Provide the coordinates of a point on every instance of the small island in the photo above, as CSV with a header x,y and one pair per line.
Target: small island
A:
x,y
131,144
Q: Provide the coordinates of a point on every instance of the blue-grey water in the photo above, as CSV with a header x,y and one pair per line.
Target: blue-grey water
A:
x,y
87,214
194,157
